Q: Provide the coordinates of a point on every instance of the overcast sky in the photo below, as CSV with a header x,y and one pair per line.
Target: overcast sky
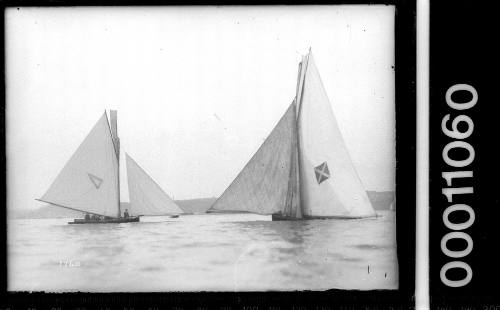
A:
x,y
197,89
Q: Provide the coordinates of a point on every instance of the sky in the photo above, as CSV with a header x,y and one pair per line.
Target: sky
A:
x,y
197,89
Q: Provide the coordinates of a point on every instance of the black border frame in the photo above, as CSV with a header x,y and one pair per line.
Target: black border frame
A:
x,y
405,75
461,52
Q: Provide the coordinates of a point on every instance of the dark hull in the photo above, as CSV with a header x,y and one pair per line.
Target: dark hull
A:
x,y
106,221
226,212
279,217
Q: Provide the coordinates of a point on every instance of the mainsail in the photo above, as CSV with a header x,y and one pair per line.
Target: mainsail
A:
x,y
262,186
303,168
89,180
329,183
146,196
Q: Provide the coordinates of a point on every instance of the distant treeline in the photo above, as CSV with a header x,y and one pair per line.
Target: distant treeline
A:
x,y
380,201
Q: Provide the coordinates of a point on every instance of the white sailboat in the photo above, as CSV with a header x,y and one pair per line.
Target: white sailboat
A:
x,y
303,169
146,196
90,180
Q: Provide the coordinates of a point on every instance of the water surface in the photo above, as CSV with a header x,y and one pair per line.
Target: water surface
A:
x,y
213,252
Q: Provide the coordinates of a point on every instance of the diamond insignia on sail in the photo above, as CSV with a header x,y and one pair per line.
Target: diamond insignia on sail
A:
x,y
97,181
322,172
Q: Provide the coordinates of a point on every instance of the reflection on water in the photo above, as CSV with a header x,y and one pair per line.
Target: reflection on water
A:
x,y
229,252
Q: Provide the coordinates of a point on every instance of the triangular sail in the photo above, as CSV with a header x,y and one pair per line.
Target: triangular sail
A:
x,y
146,196
329,183
263,185
89,180
292,206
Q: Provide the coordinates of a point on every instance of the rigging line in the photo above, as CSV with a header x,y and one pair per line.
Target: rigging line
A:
x,y
59,205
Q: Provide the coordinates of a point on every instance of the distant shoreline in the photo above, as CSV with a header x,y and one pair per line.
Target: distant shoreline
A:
x,y
380,201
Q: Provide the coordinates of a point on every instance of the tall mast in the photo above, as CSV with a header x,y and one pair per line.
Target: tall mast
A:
x,y
116,142
300,87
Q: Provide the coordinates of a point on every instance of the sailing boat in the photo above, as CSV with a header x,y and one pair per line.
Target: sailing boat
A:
x,y
146,196
303,169
90,180
392,206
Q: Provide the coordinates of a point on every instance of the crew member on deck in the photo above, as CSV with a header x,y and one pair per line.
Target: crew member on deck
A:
x,y
125,214
87,217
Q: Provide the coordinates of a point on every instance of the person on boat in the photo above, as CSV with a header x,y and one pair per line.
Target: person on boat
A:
x,y
125,214
87,217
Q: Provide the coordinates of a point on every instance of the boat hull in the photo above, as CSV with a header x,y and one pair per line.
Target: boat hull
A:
x,y
106,221
227,212
279,217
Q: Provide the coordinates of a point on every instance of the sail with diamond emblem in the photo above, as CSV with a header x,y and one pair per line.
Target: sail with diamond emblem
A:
x,y
303,169
330,186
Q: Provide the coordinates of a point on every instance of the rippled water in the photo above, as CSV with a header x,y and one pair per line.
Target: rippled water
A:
x,y
213,252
